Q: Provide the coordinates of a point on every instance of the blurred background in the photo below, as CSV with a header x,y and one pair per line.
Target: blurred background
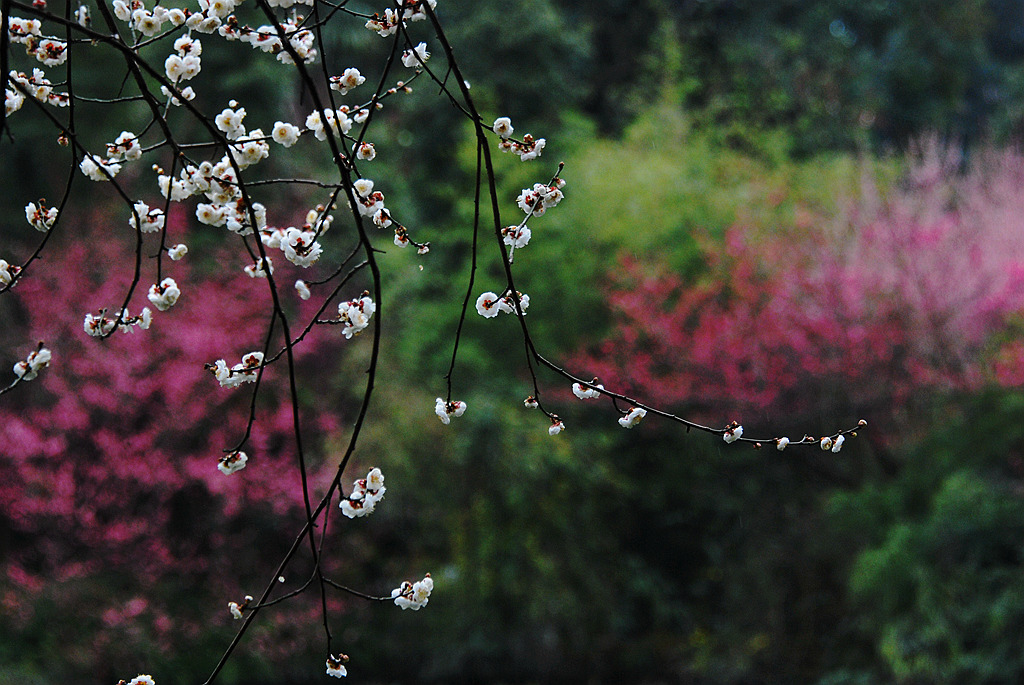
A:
x,y
792,214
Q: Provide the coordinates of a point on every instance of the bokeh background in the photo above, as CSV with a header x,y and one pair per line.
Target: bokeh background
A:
x,y
793,214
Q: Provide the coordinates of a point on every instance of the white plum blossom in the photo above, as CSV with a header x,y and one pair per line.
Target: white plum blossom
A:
x,y
147,23
531,402
347,81
733,433
382,219
30,367
363,187
232,463
487,305
837,444
826,444
503,127
516,236
781,443
366,493
635,416
142,680
584,393
366,152
336,667
413,595
164,295
177,252
8,272
260,268
556,427
97,169
446,410
13,100
250,149
415,57
236,609
299,247
302,289
211,214
51,52
285,134
230,122
40,218
121,10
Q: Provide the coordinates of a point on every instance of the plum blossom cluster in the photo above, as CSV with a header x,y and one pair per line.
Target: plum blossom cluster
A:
x,y
267,38
300,245
591,391
537,200
354,315
30,367
36,85
366,493
337,120
244,372
50,51
584,392
446,410
144,21
534,202
528,148
370,203
413,595
832,444
100,325
150,220
489,304
126,147
557,425
409,10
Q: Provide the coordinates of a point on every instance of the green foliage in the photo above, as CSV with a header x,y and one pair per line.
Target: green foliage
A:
x,y
937,585
841,73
